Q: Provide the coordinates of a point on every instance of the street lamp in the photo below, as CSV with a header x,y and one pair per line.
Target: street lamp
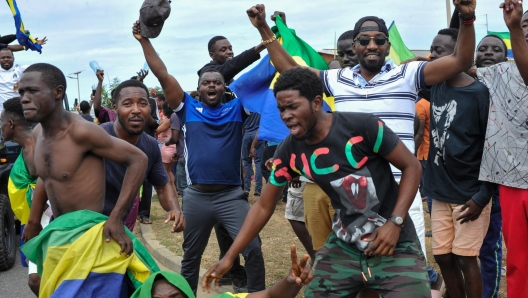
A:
x,y
77,78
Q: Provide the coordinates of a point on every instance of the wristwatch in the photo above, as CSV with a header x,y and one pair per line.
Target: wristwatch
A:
x,y
397,220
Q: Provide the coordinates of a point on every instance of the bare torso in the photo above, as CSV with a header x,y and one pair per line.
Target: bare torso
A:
x,y
74,178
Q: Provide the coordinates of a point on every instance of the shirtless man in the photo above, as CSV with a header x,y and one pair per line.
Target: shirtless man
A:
x,y
69,156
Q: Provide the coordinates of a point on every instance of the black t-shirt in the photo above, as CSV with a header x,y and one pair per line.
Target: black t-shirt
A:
x,y
115,172
87,117
459,116
349,166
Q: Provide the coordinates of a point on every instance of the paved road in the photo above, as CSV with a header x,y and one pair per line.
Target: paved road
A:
x,y
13,282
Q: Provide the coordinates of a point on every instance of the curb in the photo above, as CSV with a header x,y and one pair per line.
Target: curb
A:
x,y
170,260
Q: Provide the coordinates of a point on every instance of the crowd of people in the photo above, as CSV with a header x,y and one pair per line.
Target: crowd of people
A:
x,y
448,129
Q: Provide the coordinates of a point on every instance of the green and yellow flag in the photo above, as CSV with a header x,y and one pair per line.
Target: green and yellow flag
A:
x,y
399,51
20,189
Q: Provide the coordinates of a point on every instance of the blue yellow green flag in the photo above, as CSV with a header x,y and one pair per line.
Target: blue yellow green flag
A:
x,y
505,36
399,51
255,88
23,38
73,259
20,189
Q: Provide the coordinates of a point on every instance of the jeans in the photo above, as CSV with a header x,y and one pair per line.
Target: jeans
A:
x,y
248,163
202,210
181,177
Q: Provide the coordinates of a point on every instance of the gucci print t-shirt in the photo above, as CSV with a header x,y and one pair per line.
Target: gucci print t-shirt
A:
x,y
348,165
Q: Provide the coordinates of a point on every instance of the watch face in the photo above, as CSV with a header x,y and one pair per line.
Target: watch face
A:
x,y
399,220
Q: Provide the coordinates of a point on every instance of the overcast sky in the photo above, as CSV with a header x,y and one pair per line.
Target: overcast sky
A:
x,y
81,31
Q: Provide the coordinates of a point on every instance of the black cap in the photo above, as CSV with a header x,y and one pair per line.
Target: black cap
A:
x,y
152,16
381,25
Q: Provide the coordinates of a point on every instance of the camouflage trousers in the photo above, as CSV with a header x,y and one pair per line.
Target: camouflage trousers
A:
x,y
341,270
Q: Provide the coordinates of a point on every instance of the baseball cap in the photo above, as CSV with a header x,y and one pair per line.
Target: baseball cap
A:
x,y
381,25
152,16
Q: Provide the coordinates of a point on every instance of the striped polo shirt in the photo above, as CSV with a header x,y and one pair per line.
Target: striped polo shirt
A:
x,y
391,95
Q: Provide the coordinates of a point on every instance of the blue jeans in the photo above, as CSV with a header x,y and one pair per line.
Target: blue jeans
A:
x,y
248,162
491,252
181,177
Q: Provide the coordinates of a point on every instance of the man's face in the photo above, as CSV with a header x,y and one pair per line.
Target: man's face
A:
x,y
6,59
211,88
372,56
222,51
132,109
346,54
38,100
296,112
443,45
524,26
163,289
490,51
6,127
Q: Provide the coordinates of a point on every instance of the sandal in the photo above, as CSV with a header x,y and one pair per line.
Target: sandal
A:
x,y
145,221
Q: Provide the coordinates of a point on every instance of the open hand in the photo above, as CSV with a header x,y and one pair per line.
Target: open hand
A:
x,y
465,7
384,240
136,31
300,273
257,15
473,211
115,229
31,231
42,41
178,218
512,12
215,272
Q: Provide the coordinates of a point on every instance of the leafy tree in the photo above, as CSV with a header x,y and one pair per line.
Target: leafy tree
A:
x,y
106,92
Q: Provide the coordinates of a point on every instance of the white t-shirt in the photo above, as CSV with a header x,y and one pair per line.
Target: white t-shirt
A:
x,y
505,155
391,96
8,79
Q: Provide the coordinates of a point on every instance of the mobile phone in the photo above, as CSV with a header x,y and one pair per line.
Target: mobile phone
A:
x,y
93,92
75,102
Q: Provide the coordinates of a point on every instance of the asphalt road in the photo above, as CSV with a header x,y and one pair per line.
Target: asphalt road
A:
x,y
13,282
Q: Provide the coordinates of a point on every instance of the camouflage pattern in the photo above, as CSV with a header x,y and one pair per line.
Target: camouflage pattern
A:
x,y
338,271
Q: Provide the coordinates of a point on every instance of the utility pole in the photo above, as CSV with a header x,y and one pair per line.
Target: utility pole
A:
x,y
78,86
448,12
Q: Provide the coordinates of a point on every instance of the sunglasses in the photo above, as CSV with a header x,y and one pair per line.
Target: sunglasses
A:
x,y
365,40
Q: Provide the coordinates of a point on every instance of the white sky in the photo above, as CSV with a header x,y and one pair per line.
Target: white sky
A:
x,y
81,31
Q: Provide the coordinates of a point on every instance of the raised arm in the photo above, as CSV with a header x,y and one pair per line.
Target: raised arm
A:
x,y
16,47
513,14
172,89
100,143
461,60
97,100
257,217
280,58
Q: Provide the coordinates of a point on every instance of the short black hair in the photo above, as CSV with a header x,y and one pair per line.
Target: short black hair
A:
x,y
212,42
6,49
301,79
453,32
347,35
209,69
51,75
125,84
13,107
160,97
499,38
167,110
84,106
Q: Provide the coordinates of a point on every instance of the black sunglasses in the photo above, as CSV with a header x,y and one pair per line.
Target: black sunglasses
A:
x,y
365,40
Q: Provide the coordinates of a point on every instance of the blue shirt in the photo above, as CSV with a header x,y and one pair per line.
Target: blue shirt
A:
x,y
115,172
213,141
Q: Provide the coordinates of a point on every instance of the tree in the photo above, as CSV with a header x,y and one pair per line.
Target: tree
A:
x,y
158,89
106,92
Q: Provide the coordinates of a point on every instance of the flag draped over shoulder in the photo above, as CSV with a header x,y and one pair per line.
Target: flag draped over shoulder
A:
x,y
505,36
20,189
255,88
74,260
398,51
23,38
